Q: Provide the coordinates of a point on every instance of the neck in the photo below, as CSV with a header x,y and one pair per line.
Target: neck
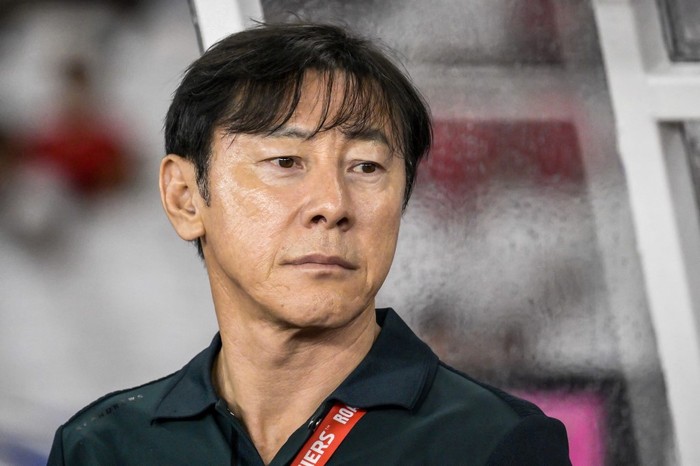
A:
x,y
274,378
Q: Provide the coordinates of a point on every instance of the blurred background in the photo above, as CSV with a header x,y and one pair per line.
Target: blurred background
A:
x,y
542,251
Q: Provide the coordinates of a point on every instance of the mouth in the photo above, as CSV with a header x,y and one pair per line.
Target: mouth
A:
x,y
322,261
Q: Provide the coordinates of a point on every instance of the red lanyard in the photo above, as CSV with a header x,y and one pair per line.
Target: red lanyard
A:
x,y
328,435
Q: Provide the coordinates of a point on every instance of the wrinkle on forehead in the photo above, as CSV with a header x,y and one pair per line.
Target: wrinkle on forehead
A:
x,y
368,135
356,105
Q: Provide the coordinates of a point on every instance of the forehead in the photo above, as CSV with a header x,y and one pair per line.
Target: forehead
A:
x,y
335,100
324,106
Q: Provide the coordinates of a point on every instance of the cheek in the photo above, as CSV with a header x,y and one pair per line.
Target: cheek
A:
x,y
249,219
383,230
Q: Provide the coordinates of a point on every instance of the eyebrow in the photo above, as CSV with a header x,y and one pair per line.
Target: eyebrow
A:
x,y
368,134
291,132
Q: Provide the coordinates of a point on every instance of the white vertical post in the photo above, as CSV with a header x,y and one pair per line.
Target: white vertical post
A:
x,y
644,97
216,19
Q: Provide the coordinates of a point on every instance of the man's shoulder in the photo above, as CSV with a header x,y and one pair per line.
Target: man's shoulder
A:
x,y
136,404
459,420
460,391
483,420
187,389
90,436
124,427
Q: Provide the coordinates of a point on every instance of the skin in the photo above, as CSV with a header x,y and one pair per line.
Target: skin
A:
x,y
298,237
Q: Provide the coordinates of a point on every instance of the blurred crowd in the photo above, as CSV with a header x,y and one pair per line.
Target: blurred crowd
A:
x,y
84,86
49,169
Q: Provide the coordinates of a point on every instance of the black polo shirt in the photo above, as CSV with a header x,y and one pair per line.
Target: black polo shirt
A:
x,y
419,412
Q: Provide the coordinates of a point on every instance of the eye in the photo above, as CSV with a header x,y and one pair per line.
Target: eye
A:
x,y
284,162
366,168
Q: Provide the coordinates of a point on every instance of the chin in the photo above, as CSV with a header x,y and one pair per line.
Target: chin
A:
x,y
321,314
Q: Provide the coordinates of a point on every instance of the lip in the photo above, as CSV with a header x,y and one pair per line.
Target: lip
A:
x,y
322,260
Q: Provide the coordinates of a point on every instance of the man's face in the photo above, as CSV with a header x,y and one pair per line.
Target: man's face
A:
x,y
301,231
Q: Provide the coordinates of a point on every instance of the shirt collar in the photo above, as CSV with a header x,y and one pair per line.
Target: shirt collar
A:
x,y
397,371
192,391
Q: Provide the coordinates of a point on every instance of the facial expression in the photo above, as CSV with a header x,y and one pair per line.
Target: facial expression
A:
x,y
301,229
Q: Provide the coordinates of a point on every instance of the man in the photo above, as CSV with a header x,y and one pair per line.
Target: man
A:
x,y
292,150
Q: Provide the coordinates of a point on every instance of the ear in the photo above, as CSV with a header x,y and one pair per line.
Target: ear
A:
x,y
180,196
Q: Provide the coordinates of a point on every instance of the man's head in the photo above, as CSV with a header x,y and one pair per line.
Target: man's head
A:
x,y
292,152
251,82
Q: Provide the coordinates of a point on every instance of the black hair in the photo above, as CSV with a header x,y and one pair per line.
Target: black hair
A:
x,y
251,81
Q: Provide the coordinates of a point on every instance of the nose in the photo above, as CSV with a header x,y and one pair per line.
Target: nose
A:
x,y
328,202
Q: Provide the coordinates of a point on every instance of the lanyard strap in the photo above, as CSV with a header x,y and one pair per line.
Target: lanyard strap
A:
x,y
328,435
